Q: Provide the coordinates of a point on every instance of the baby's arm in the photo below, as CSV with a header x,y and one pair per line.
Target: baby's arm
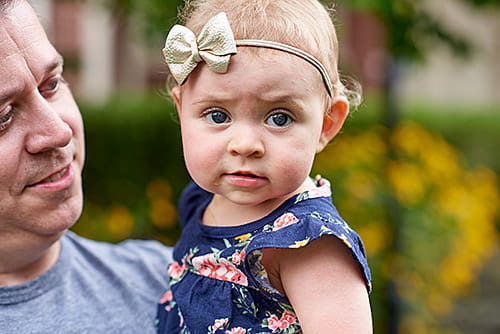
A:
x,y
324,285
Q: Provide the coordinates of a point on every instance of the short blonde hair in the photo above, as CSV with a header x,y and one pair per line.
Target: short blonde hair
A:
x,y
304,24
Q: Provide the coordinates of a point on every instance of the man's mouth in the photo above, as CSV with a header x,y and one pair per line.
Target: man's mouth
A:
x,y
52,178
55,176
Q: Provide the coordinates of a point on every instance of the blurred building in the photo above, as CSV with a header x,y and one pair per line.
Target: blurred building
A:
x,y
105,53
447,78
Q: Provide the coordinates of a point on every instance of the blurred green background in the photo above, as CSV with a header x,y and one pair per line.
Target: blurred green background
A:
x,y
416,177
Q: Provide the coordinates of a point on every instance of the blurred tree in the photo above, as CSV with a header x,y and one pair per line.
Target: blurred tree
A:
x,y
156,15
411,31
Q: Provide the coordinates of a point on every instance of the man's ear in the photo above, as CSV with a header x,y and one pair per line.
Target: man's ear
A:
x,y
176,95
333,121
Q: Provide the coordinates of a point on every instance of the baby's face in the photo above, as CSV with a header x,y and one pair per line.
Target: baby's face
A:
x,y
250,135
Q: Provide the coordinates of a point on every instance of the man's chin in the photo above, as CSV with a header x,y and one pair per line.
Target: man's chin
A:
x,y
63,218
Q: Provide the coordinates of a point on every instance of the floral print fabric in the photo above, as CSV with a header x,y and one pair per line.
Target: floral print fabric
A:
x,y
217,283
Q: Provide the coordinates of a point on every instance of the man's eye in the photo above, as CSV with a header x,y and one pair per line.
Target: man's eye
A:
x,y
6,116
51,86
279,119
217,117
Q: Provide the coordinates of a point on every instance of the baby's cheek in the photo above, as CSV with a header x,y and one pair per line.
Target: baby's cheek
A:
x,y
200,162
293,172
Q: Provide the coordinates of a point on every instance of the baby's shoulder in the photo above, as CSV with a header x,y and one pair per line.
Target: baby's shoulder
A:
x,y
302,224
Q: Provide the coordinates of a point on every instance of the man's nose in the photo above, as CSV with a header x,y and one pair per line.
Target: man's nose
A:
x,y
48,129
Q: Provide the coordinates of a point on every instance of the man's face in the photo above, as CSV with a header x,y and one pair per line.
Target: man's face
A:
x,y
41,132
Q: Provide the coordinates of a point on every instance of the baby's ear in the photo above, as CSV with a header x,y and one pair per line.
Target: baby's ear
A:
x,y
176,95
333,121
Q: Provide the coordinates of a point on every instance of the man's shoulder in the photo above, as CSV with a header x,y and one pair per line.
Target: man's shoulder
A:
x,y
131,248
94,287
130,257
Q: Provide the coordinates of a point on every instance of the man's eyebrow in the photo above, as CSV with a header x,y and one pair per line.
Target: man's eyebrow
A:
x,y
3,99
58,61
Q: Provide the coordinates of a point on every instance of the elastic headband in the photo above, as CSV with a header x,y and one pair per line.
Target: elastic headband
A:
x,y
215,45
294,51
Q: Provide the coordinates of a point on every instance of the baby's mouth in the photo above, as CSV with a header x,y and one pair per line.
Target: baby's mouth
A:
x,y
246,174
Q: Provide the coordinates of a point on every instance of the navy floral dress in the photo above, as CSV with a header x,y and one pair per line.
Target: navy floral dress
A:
x,y
217,282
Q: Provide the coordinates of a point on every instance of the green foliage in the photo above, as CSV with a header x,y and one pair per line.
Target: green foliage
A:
x,y
428,219
133,151
475,132
411,29
156,16
483,2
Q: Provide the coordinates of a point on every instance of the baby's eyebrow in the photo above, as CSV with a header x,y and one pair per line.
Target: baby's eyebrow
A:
x,y
210,97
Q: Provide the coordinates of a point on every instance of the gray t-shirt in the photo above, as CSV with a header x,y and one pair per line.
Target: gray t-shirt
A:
x,y
94,288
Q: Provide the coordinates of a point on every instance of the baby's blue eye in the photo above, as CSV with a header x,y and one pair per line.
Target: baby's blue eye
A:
x,y
217,117
279,119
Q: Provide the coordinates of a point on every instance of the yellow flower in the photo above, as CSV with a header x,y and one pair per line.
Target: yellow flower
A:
x,y
376,236
159,188
120,221
407,182
301,243
163,213
243,237
361,184
445,217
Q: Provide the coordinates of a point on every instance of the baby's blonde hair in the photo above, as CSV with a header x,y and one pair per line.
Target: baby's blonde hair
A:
x,y
304,24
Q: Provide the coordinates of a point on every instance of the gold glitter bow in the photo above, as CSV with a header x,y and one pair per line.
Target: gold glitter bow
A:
x,y
214,45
